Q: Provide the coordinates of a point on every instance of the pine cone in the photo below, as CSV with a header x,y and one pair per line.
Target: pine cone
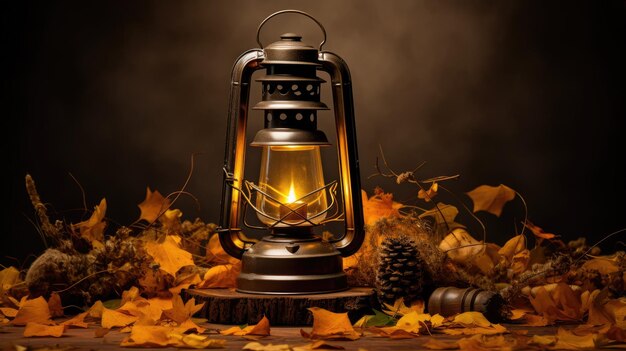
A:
x,y
400,270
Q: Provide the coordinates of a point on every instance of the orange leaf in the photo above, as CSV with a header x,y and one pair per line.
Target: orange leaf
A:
x,y
77,321
617,334
538,232
222,276
602,265
428,195
491,198
153,205
93,228
216,254
180,311
482,343
8,277
597,314
380,205
512,247
329,324
96,310
168,254
38,329
8,311
35,310
54,305
111,318
261,328
185,283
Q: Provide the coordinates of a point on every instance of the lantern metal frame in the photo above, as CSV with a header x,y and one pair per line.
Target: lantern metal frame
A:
x,y
309,264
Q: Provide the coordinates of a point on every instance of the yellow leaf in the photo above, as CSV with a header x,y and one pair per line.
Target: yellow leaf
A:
x,y
328,324
261,328
38,329
129,295
216,254
472,319
255,346
442,214
512,247
141,309
180,311
491,330
185,283
8,278
222,276
544,340
437,320
196,341
380,205
171,221
428,195
35,310
111,318
96,309
54,305
491,198
77,321
8,311
161,336
93,229
168,254
153,205
568,341
399,308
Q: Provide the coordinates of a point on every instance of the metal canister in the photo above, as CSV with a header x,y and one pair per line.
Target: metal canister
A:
x,y
448,301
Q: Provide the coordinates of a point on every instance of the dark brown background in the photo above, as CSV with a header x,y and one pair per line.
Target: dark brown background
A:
x,y
122,93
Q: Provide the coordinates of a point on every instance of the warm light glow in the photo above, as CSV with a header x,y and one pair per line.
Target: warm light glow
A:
x,y
288,174
291,198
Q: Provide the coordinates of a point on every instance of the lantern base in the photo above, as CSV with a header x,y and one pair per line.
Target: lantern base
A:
x,y
286,265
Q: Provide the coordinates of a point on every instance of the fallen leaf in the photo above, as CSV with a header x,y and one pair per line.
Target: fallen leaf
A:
x,y
222,276
77,321
317,345
428,195
185,284
617,334
602,265
180,311
561,304
153,205
96,310
399,308
262,328
54,305
255,346
328,324
597,313
8,311
215,253
512,247
616,308
93,229
111,318
566,340
483,342
171,221
35,310
471,319
38,329
168,254
101,332
378,319
380,205
8,278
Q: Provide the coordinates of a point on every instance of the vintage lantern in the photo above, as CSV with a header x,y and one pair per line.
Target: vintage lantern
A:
x,y
291,197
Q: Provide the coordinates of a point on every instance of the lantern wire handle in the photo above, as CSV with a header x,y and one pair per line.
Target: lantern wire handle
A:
x,y
258,31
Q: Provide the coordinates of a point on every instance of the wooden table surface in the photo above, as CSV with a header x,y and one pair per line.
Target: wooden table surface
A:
x,y
83,339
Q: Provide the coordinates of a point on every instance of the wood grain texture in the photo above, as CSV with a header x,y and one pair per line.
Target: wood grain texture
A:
x,y
226,306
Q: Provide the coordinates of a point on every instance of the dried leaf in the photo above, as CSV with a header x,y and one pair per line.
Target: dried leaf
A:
x,y
35,310
153,205
538,232
328,324
442,214
597,313
616,308
222,276
255,346
185,283
101,332
216,254
111,318
96,310
399,308
180,311
380,205
561,304
378,319
171,221
54,305
77,321
491,198
512,247
262,328
602,265
168,254
8,278
8,311
93,229
566,340
616,333
483,342
317,345
428,195
38,329
472,319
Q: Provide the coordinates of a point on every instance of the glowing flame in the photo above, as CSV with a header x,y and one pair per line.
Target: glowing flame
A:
x,y
291,198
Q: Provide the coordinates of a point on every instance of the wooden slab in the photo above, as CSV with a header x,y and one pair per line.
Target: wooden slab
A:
x,y
227,306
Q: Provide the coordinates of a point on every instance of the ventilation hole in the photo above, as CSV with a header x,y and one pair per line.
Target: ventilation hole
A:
x,y
279,87
312,117
318,90
269,117
294,87
283,116
270,88
299,116
309,87
298,93
312,93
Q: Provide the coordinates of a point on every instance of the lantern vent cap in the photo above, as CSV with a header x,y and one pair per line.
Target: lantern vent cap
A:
x,y
290,50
